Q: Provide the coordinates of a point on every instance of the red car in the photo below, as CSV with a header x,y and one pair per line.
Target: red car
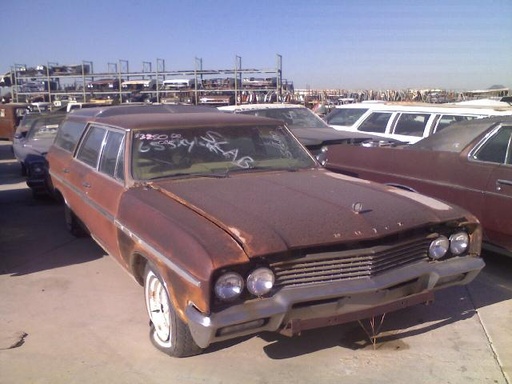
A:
x,y
469,164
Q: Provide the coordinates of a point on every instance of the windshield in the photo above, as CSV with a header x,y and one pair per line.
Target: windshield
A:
x,y
456,137
293,117
45,127
215,151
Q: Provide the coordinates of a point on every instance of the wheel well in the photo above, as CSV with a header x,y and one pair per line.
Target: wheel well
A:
x,y
58,196
400,186
137,266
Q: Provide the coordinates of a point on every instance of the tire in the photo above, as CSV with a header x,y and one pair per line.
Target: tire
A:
x,y
73,223
167,332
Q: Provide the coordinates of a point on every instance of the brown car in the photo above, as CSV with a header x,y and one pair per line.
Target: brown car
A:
x,y
10,116
234,229
468,164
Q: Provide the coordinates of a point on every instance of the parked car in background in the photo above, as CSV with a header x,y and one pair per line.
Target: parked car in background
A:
x,y
410,122
468,164
310,129
234,229
10,117
31,143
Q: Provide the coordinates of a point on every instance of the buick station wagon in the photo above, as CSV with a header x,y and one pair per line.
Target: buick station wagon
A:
x,y
233,228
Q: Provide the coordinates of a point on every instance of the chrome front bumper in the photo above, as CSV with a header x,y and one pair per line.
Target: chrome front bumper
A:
x,y
294,309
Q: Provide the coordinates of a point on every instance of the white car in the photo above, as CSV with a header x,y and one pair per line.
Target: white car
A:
x,y
406,122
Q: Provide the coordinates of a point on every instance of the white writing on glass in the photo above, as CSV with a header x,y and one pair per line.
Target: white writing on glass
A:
x,y
212,141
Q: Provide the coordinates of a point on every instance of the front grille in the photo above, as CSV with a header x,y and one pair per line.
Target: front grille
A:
x,y
352,264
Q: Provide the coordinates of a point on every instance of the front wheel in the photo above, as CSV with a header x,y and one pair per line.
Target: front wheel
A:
x,y
167,331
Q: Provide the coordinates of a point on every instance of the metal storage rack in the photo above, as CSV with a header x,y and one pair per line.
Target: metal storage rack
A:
x,y
52,83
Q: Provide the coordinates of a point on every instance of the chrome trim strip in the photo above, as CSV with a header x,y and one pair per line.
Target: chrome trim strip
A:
x,y
504,182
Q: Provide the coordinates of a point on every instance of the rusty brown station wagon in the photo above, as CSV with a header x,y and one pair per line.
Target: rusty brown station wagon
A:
x,y
468,164
233,228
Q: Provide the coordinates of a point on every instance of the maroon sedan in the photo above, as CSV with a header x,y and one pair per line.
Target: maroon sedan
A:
x,y
469,164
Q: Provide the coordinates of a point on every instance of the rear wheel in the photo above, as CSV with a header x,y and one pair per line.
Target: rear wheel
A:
x,y
167,331
73,223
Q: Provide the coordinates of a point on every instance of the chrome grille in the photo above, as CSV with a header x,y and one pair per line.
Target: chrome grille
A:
x,y
334,266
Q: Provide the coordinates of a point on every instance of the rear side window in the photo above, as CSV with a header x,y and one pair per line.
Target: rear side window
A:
x,y
375,122
69,134
411,124
498,148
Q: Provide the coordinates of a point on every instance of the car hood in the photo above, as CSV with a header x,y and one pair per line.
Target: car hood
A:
x,y
275,212
37,147
317,137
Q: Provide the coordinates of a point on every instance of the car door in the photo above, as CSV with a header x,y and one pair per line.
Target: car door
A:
x,y
101,183
497,206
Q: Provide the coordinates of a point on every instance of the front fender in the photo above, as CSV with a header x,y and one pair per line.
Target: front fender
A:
x,y
185,246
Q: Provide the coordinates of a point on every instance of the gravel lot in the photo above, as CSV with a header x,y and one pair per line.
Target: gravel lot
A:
x,y
70,314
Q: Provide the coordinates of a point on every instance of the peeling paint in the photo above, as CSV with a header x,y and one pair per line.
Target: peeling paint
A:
x,y
425,200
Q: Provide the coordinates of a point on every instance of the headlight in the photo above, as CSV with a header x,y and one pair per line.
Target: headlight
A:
x,y
459,243
229,286
439,247
260,281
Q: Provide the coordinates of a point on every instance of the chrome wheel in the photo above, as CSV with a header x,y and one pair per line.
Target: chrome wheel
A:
x,y
157,304
168,332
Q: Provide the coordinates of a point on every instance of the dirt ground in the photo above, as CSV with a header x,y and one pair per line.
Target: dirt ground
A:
x,y
70,314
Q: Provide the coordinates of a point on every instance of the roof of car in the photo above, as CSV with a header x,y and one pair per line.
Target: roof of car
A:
x,y
252,107
430,108
159,116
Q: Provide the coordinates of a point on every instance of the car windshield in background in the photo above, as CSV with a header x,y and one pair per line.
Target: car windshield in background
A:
x,y
45,128
345,116
293,117
215,151
454,138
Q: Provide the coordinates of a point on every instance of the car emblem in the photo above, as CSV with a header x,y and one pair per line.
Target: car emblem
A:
x,y
357,208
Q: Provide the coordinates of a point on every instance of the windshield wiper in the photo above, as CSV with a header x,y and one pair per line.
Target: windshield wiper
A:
x,y
192,174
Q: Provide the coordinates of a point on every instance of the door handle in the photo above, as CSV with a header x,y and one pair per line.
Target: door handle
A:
x,y
85,184
65,170
501,182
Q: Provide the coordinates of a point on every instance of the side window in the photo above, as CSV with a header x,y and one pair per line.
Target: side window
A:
x,y
446,120
411,124
109,163
90,149
498,148
376,122
68,135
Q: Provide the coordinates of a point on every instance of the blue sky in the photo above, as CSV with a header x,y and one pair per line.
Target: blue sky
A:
x,y
348,44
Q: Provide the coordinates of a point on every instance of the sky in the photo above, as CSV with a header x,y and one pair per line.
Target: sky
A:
x,y
324,44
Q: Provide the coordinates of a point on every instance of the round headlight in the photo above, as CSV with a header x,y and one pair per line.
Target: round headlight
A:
x,y
459,243
439,247
229,286
260,281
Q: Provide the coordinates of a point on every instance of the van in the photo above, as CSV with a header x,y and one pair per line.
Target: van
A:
x,y
10,116
176,84
409,122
